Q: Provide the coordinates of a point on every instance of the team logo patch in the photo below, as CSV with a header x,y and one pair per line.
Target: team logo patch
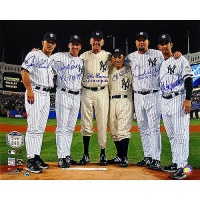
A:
x,y
13,170
171,69
125,83
188,69
163,36
19,161
152,62
188,170
103,66
15,139
51,35
11,161
12,152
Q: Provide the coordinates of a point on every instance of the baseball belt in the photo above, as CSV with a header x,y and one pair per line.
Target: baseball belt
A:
x,y
70,91
171,95
46,89
94,88
145,92
118,96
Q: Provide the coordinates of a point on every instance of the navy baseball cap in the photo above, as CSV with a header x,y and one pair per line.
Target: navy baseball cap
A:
x,y
117,51
50,36
164,37
97,34
75,38
144,34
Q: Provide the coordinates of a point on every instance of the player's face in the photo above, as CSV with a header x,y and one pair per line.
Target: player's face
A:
x,y
96,44
74,48
165,47
117,60
48,46
142,44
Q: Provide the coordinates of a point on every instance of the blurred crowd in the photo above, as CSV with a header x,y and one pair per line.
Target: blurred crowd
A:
x,y
195,111
15,101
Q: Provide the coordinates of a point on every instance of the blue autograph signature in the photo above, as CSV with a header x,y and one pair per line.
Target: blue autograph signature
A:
x,y
164,86
147,74
115,76
72,65
43,63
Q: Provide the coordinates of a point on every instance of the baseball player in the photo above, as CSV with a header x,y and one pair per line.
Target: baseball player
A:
x,y
121,106
69,70
176,84
95,96
145,64
37,76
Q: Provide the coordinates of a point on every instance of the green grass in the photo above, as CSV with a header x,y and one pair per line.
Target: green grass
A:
x,y
135,152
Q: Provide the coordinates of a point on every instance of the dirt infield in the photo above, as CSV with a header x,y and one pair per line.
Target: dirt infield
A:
x,y
94,172
21,128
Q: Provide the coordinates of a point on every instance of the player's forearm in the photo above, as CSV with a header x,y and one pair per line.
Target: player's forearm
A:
x,y
188,87
26,79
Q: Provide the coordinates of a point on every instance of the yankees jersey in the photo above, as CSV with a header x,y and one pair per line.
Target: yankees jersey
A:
x,y
40,72
120,81
69,70
95,68
173,72
145,69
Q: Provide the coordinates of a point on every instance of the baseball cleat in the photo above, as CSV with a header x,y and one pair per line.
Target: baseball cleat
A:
x,y
124,162
41,164
155,165
71,160
32,166
170,168
179,174
103,160
146,161
115,160
63,163
84,160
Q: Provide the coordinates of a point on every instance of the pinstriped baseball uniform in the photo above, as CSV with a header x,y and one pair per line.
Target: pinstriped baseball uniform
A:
x,y
172,75
121,109
69,72
95,75
146,71
41,75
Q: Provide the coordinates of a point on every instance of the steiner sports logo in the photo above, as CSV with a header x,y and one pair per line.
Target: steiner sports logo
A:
x,y
15,139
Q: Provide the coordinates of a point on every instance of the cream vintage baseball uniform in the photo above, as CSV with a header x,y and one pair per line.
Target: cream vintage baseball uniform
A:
x,y
95,96
121,103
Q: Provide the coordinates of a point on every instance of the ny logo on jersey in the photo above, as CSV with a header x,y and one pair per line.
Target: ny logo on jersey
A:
x,y
80,69
171,69
152,63
125,84
103,66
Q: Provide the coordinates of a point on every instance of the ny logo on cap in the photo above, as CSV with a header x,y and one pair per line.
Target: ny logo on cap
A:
x,y
76,37
163,36
51,35
117,50
97,33
141,33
